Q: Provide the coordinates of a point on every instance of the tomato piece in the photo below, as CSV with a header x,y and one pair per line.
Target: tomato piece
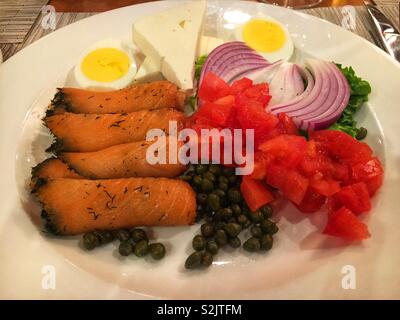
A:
x,y
344,224
355,197
258,92
212,88
325,186
251,115
255,193
342,146
288,150
241,85
291,183
287,124
370,172
312,202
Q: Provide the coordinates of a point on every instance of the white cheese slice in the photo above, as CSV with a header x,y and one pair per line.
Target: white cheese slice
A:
x,y
208,44
172,37
148,71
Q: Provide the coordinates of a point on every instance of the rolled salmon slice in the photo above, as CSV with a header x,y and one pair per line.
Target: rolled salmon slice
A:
x,y
127,160
93,132
153,95
72,206
53,168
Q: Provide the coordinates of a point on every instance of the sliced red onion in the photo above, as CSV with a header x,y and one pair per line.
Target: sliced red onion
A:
x,y
261,74
286,83
319,106
232,59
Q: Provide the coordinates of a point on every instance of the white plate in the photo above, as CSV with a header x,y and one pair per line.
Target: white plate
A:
x,y
303,263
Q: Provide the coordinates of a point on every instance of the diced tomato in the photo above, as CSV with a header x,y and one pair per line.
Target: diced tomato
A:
x,y
255,193
288,150
312,202
258,92
342,146
212,88
291,183
370,172
251,115
260,166
287,124
355,197
344,224
241,85
325,186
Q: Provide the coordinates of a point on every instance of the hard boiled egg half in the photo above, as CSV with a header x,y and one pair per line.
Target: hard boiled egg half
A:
x,y
107,65
267,36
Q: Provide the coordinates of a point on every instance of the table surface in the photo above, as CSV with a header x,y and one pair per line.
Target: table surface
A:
x,y
20,20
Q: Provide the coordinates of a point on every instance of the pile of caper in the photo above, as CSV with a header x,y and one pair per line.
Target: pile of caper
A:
x,y
134,241
225,213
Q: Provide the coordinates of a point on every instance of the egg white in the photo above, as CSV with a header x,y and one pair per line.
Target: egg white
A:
x,y
284,53
80,80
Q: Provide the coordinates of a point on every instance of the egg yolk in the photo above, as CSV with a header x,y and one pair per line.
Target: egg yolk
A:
x,y
263,36
105,64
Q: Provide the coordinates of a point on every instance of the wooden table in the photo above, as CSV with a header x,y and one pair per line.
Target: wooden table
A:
x,y
20,20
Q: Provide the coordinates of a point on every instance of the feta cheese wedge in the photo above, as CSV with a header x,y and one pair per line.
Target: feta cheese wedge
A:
x,y
148,71
172,38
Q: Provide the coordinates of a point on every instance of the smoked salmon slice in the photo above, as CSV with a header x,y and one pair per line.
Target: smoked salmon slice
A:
x,y
93,132
125,161
72,206
153,95
53,168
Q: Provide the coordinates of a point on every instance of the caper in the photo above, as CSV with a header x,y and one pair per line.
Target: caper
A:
x,y
219,225
220,193
206,259
252,244
206,185
247,224
256,231
138,235
223,179
122,235
104,236
185,177
223,186
218,216
236,210
201,198
233,179
90,241
234,242
212,247
198,243
361,134
214,201
214,169
227,213
234,195
210,176
267,211
266,242
201,168
228,171
207,230
141,248
274,228
157,251
197,180
233,229
256,217
242,219
125,248
221,238
194,260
